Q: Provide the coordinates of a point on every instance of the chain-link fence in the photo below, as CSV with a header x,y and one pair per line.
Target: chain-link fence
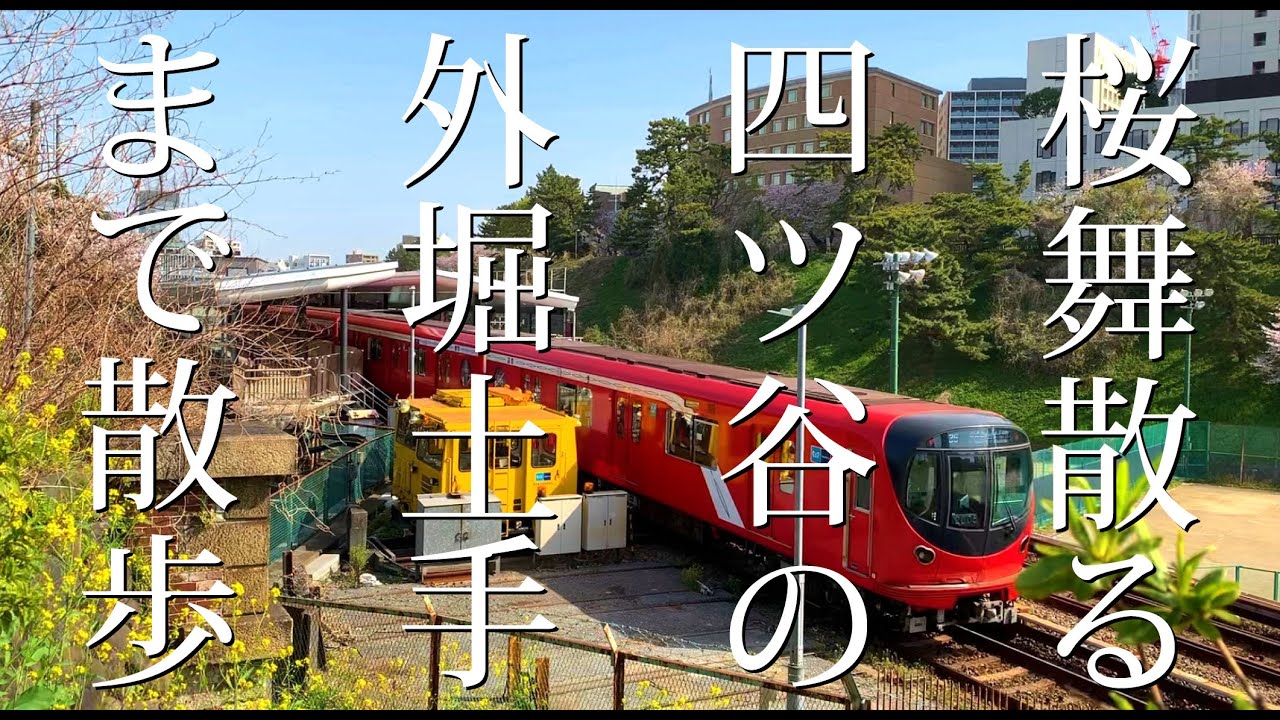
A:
x,y
1209,452
308,505
384,658
389,660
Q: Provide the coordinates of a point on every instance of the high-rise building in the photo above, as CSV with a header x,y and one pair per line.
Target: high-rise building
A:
x,y
970,119
1234,43
891,99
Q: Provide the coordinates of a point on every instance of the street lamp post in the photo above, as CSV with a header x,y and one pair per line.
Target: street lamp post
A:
x,y
895,264
1196,302
795,668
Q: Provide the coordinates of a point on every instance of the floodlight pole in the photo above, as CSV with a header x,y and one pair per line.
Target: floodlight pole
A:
x,y
893,344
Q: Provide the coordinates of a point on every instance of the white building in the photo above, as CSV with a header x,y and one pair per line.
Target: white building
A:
x,y
1233,43
309,262
1050,55
1250,100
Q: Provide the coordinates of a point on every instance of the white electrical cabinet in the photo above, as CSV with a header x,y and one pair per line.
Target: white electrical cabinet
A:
x,y
604,520
561,534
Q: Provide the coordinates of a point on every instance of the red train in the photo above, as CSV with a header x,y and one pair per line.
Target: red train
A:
x,y
938,532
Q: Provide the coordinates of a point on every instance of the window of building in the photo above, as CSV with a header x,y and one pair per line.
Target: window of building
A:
x,y
576,401
928,128
826,90
893,89
808,147
1047,152
789,178
793,122
807,123
1239,128
764,129
791,149
542,451
1259,67
751,103
777,126
689,437
793,96
1259,13
1259,39
728,110
776,149
1272,125
375,349
1046,179
1099,140
726,135
759,180
777,178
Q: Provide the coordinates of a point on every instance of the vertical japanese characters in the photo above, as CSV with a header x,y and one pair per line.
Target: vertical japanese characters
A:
x,y
479,438
1143,256
826,455
128,458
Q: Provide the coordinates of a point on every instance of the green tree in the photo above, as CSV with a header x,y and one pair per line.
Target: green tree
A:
x,y
1041,103
562,196
507,226
404,259
1209,141
935,314
678,166
891,166
1236,268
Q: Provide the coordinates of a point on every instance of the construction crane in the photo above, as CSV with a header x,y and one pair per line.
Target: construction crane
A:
x,y
1161,57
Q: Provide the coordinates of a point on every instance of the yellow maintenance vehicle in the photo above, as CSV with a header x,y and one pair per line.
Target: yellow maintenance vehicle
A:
x,y
521,470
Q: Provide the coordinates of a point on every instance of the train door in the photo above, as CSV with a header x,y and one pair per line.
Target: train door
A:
x,y
858,528
506,463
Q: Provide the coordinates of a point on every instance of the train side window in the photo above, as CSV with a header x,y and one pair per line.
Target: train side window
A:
x,y
537,389
862,491
573,400
528,382
375,348
464,456
542,451
619,417
464,373
637,413
419,364
922,487
690,437
431,451
703,434
500,377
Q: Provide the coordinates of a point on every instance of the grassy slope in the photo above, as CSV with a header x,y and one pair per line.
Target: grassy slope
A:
x,y
848,343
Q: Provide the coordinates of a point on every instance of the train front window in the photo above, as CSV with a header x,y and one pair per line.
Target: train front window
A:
x,y
922,487
969,497
1011,476
431,451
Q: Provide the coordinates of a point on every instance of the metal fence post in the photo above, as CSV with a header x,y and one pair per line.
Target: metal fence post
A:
x,y
542,683
514,658
619,681
433,682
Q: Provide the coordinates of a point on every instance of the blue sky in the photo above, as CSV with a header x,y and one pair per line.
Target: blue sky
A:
x,y
330,88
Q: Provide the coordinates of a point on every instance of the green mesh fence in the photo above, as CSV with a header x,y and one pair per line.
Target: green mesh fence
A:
x,y
308,505
1210,452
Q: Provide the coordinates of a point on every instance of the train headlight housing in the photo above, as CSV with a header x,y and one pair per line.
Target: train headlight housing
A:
x,y
924,555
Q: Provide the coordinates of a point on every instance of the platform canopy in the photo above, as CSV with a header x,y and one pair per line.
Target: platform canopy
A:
x,y
297,283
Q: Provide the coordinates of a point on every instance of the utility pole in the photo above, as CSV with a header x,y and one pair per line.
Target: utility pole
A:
x,y
33,171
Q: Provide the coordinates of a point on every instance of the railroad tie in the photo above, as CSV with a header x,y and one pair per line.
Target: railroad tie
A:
x,y
1001,675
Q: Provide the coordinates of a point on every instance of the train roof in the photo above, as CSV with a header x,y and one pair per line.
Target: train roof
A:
x,y
699,370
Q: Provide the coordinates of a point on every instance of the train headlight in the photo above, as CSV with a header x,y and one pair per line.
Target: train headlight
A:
x,y
924,555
